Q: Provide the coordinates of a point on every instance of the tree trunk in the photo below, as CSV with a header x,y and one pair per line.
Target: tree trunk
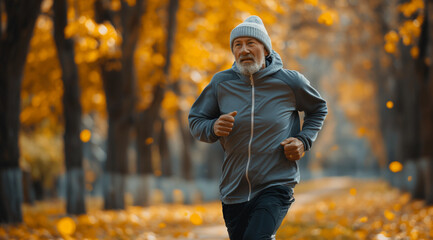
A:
x,y
187,166
148,117
11,195
427,100
423,107
119,122
119,85
14,44
164,151
385,77
145,139
75,191
114,190
72,113
406,111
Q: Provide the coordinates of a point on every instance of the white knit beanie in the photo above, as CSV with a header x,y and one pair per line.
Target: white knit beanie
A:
x,y
252,27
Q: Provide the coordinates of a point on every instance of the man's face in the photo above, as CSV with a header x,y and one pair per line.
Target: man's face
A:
x,y
249,54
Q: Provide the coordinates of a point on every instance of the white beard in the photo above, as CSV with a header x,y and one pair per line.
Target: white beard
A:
x,y
250,68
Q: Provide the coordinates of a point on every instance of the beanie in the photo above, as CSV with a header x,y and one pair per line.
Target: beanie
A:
x,y
252,27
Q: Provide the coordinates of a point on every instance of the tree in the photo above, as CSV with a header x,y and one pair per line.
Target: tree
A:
x,y
149,117
118,74
427,109
423,74
21,18
413,99
72,113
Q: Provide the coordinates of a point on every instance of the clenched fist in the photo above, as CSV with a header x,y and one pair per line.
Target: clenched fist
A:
x,y
224,125
293,148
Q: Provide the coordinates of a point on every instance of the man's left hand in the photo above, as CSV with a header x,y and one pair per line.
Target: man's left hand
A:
x,y
293,148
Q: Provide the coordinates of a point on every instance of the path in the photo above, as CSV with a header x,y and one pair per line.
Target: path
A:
x,y
308,193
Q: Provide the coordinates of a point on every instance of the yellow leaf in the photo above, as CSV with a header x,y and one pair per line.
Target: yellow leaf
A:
x,y
326,18
196,219
407,40
70,30
149,140
66,226
414,51
390,47
389,215
363,219
85,135
390,104
392,36
395,166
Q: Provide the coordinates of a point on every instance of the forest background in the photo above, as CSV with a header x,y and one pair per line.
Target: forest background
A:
x,y
94,95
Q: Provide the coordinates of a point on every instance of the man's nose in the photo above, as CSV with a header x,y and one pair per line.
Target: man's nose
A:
x,y
244,49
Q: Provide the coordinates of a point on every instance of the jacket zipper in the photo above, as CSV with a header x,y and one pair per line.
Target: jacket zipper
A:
x,y
251,136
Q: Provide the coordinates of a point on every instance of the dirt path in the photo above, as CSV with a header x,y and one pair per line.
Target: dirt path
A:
x,y
305,193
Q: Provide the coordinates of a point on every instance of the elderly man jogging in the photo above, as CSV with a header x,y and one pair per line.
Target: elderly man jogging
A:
x,y
252,109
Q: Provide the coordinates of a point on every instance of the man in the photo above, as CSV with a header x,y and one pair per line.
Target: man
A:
x,y
252,109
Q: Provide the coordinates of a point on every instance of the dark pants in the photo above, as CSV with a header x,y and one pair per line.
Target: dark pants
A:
x,y
261,216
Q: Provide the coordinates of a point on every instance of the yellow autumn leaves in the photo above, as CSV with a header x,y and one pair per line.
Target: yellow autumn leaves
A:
x,y
66,226
365,209
368,210
42,222
93,39
327,16
409,30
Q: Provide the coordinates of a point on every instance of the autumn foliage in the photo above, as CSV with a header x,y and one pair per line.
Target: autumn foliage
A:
x,y
370,59
362,210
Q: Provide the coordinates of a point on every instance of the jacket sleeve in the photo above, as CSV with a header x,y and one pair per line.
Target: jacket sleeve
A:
x,y
203,114
314,106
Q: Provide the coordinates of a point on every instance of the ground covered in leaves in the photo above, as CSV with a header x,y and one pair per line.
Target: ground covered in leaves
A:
x,y
367,210
359,210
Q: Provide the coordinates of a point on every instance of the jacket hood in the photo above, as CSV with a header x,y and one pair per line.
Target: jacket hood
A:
x,y
273,65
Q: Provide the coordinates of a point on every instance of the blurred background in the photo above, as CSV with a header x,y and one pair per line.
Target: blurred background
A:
x,y
95,94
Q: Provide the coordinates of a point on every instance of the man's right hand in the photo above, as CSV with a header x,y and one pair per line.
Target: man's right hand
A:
x,y
224,125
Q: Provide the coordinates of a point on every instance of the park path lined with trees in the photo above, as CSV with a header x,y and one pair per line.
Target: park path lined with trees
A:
x,y
100,90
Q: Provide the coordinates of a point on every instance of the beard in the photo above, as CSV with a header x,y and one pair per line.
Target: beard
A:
x,y
249,68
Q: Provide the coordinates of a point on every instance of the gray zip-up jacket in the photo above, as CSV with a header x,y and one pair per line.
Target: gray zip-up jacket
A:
x,y
267,105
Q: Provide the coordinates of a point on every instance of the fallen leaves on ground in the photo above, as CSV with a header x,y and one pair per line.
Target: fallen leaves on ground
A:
x,y
365,210
368,210
47,220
